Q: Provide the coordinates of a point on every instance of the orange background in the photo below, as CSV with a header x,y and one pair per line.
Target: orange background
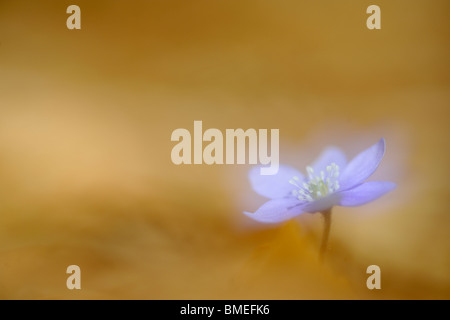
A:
x,y
85,123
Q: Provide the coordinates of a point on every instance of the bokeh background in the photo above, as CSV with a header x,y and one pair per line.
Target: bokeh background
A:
x,y
85,171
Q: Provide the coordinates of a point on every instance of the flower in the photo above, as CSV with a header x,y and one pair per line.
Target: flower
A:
x,y
330,181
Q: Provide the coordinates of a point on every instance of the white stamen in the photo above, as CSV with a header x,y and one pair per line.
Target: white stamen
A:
x,y
310,172
317,186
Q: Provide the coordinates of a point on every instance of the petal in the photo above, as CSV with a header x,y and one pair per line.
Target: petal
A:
x,y
277,210
362,166
364,193
328,156
274,186
322,204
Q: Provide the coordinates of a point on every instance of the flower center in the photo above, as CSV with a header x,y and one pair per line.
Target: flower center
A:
x,y
318,186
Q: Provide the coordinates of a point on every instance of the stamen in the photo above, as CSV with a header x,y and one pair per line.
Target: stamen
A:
x,y
317,186
310,172
294,183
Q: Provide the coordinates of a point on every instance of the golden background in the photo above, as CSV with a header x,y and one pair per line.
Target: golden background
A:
x,y
85,171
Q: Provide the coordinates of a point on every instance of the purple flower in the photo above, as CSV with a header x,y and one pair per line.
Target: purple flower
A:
x,y
330,181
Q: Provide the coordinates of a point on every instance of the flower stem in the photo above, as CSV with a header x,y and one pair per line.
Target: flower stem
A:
x,y
326,232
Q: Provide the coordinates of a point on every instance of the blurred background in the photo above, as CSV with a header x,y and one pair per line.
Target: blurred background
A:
x,y
86,176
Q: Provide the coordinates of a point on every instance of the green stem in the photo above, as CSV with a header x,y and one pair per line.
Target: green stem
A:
x,y
326,232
